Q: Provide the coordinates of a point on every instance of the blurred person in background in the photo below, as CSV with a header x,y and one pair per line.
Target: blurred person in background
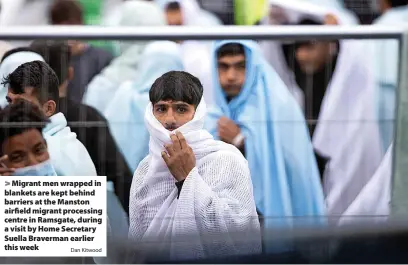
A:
x,y
337,87
187,13
255,112
98,140
24,148
372,205
36,82
10,61
195,53
189,184
385,54
132,98
87,61
126,67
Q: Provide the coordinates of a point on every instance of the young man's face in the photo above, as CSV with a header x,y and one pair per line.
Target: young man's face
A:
x,y
313,56
173,114
29,95
26,149
174,17
231,73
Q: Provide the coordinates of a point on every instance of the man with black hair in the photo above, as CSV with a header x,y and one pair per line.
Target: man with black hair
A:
x,y
23,147
255,111
334,83
313,63
87,61
174,14
190,184
97,140
10,61
36,82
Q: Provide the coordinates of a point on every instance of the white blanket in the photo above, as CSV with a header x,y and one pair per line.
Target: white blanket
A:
x,y
216,197
373,203
347,131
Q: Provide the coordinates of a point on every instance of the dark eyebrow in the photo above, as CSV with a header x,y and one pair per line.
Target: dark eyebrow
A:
x,y
38,144
160,104
181,104
232,64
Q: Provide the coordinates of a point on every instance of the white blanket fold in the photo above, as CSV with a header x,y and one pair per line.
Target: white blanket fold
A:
x,y
216,198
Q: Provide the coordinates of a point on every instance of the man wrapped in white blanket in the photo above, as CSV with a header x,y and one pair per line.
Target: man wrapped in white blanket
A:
x,y
190,184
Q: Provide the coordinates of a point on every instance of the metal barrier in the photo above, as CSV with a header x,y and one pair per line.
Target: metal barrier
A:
x,y
400,171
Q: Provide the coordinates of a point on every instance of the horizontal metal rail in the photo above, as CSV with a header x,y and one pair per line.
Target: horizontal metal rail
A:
x,y
201,33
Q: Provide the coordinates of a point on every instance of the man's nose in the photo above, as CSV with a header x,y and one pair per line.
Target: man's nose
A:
x,y
170,119
231,74
302,55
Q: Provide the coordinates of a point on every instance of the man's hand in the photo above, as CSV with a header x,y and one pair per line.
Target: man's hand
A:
x,y
179,158
227,130
5,171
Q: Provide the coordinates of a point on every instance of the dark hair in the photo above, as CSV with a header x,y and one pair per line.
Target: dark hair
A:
x,y
66,12
309,22
397,3
16,50
34,74
57,54
306,22
177,86
23,116
173,6
231,49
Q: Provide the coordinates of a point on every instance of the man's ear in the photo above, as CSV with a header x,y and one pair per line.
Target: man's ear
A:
x,y
71,73
50,107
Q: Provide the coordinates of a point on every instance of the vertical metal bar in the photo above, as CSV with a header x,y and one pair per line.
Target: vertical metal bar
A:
x,y
399,193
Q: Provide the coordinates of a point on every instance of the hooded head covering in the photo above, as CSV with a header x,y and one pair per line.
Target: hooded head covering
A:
x,y
347,132
216,197
125,111
292,12
125,67
277,144
9,64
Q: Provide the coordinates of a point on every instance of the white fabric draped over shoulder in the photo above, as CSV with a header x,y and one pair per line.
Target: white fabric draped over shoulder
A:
x,y
68,155
216,197
347,131
372,205
386,59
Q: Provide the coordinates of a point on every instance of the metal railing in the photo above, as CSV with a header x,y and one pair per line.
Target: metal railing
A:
x,y
400,171
201,33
